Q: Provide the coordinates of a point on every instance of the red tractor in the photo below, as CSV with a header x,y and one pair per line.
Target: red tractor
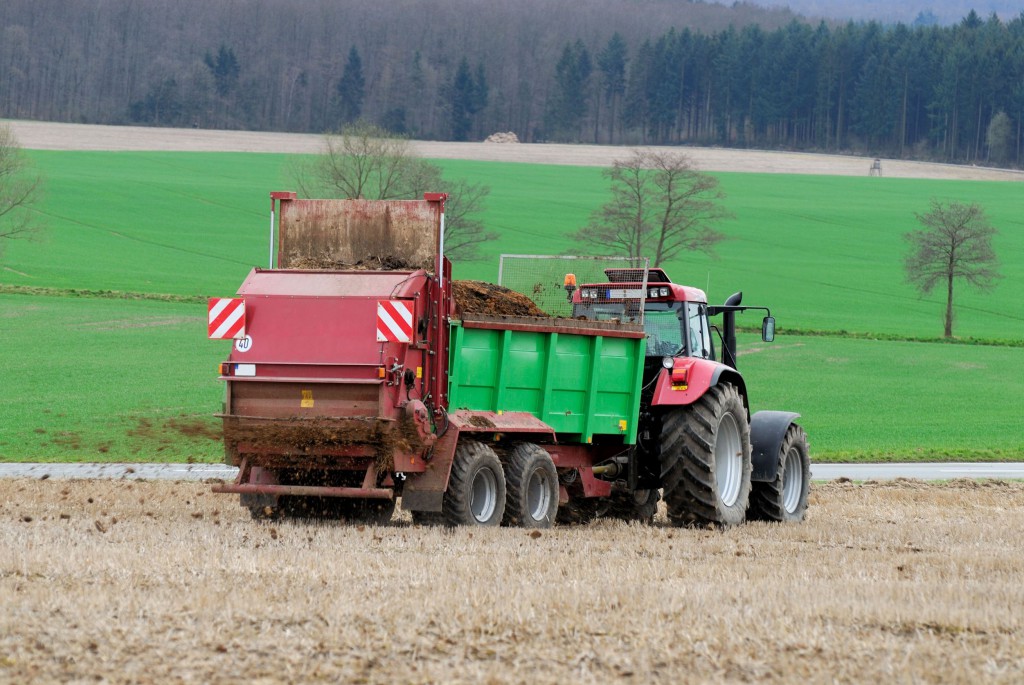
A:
x,y
714,462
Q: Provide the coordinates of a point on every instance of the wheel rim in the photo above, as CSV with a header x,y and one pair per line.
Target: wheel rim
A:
x,y
538,495
485,495
728,461
792,480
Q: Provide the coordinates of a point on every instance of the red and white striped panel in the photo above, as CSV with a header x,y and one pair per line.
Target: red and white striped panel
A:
x,y
227,317
394,321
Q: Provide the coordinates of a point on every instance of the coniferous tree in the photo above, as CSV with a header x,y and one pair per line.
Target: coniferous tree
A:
x,y
568,105
225,69
467,95
612,63
351,88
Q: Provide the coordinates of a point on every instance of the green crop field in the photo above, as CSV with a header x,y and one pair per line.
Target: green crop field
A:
x,y
104,378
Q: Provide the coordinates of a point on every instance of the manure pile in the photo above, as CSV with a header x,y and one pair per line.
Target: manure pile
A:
x,y
471,297
478,297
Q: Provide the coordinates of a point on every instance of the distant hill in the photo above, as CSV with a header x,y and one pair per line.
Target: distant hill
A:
x,y
925,12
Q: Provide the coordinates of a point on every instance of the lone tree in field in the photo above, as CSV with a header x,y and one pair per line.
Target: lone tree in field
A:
x,y
954,243
20,188
364,161
661,205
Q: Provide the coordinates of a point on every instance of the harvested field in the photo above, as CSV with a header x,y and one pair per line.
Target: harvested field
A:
x,y
165,582
44,135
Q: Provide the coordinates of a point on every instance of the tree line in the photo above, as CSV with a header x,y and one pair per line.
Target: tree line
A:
x,y
548,70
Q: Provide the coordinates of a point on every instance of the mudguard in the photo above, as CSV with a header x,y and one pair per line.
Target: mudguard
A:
x,y
767,431
702,374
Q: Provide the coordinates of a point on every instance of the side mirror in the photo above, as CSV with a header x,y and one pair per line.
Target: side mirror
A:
x,y
768,329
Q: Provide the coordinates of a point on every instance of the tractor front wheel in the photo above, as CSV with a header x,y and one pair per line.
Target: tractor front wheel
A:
x,y
705,460
785,498
476,487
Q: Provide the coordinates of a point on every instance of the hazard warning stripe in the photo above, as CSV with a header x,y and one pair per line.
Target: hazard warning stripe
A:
x,y
226,317
394,321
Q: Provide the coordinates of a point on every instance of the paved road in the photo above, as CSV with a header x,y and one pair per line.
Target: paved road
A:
x,y
945,471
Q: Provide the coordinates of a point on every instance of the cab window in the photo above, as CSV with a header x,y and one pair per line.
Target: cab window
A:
x,y
698,337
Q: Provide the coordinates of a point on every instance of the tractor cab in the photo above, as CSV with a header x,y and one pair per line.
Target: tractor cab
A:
x,y
675,317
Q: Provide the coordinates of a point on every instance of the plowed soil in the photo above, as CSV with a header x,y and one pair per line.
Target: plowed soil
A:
x,y
155,582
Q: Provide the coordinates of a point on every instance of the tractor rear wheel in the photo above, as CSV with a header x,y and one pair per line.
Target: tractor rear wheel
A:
x,y
476,487
532,487
785,498
705,460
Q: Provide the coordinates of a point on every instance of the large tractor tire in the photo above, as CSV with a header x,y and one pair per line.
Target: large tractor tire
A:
x,y
532,487
640,505
705,460
785,498
476,487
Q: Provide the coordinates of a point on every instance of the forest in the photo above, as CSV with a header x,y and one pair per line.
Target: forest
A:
x,y
608,71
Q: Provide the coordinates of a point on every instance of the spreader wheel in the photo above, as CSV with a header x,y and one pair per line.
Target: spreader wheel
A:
x,y
578,511
705,460
532,482
476,487
785,498
639,505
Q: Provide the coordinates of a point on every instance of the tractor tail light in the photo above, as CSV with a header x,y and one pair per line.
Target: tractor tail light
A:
x,y
680,378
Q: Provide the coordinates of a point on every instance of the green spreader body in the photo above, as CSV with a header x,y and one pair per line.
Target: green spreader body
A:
x,y
581,379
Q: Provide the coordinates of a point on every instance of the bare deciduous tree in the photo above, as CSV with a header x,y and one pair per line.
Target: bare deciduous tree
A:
x,y
367,162
20,189
954,243
660,206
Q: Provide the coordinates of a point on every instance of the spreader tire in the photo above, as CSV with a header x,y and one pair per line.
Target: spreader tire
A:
x,y
785,498
640,505
705,460
532,487
476,487
578,511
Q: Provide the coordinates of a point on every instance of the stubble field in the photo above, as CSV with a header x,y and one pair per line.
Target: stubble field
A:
x,y
123,581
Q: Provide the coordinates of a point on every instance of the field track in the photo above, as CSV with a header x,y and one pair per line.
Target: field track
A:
x,y
38,135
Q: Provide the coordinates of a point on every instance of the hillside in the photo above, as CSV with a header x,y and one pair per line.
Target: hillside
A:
x,y
606,72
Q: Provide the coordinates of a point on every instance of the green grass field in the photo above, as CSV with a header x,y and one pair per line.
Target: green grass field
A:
x,y
90,378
